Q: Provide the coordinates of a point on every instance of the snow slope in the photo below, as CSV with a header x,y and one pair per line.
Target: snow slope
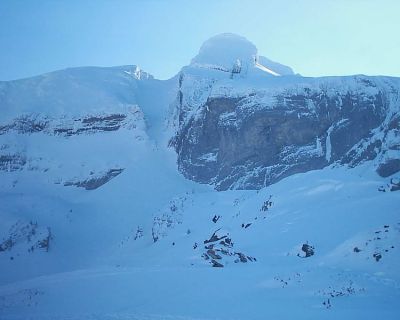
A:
x,y
100,267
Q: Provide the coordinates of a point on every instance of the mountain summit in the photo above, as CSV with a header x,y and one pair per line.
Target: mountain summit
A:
x,y
230,52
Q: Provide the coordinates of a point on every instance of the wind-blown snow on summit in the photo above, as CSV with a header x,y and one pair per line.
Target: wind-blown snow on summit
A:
x,y
228,52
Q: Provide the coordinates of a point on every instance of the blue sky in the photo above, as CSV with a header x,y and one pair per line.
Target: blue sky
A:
x,y
314,37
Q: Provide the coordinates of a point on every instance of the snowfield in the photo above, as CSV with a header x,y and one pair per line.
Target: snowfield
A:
x,y
103,263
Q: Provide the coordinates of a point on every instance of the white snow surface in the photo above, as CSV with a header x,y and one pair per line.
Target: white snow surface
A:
x,y
276,66
100,267
224,50
229,52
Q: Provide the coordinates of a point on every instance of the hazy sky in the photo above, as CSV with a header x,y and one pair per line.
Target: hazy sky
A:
x,y
314,37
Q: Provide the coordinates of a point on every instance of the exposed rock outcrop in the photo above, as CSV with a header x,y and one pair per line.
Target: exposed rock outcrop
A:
x,y
12,162
247,139
69,126
96,181
27,235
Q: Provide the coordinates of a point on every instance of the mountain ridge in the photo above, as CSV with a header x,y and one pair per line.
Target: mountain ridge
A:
x,y
100,221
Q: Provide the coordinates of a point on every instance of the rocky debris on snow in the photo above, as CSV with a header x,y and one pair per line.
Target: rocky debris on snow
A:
x,y
216,218
213,255
393,185
134,234
96,180
26,124
333,292
377,256
138,234
327,303
389,167
168,217
12,161
285,281
226,242
308,250
379,243
216,264
221,248
242,257
20,299
214,237
28,235
267,204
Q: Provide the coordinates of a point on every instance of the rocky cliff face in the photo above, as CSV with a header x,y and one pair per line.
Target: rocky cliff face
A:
x,y
246,138
245,122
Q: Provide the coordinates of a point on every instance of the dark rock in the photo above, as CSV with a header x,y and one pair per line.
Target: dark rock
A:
x,y
242,257
33,123
12,162
394,184
25,124
6,245
27,233
308,250
205,256
225,252
216,264
389,168
138,234
227,242
267,204
214,238
213,255
377,256
95,182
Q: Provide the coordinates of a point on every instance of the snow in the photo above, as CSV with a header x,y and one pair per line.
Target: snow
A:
x,y
277,67
68,92
209,157
234,54
103,262
140,279
261,67
328,146
224,50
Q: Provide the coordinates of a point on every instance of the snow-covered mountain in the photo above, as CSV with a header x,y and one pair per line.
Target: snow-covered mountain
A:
x,y
103,216
245,127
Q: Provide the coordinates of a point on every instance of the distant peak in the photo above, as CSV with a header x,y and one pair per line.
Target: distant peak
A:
x,y
225,50
233,53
